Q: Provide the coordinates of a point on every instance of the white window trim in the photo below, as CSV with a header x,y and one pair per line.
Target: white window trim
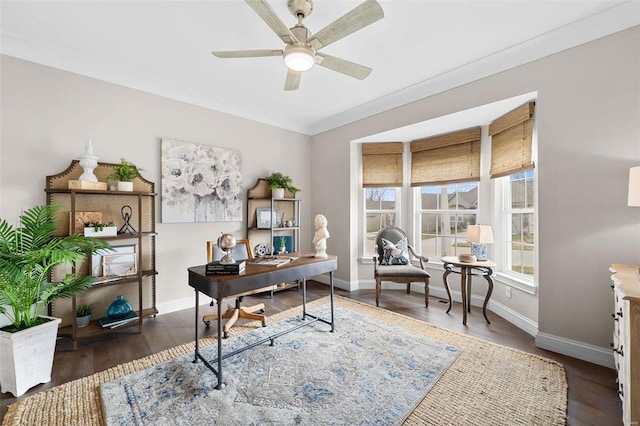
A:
x,y
367,258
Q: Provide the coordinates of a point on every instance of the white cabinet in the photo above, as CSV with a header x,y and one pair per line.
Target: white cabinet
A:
x,y
626,338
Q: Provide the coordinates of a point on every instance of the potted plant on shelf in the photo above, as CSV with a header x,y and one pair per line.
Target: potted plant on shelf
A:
x,y
99,229
279,183
83,315
28,255
124,173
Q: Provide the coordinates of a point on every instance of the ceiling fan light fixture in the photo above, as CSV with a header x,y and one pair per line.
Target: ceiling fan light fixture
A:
x,y
299,58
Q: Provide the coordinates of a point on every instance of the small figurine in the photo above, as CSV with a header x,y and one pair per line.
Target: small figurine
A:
x,y
320,237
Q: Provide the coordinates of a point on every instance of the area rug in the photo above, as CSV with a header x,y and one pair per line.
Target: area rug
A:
x,y
367,372
488,384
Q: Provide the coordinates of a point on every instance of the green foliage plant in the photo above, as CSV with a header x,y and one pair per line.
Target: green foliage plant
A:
x,y
28,254
83,310
278,180
97,226
124,172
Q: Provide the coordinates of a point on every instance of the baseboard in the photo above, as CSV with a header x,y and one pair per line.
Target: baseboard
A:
x,y
572,348
187,302
324,279
575,349
180,304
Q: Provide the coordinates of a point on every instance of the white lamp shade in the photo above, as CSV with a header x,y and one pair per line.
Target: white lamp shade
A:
x,y
299,58
634,187
479,234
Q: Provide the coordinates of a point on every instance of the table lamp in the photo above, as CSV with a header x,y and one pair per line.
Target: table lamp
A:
x,y
479,236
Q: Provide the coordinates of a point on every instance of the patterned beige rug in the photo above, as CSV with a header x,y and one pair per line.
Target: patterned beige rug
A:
x,y
488,384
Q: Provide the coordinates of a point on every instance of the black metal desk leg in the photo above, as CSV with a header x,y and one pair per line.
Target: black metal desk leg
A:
x,y
195,356
333,323
219,373
304,299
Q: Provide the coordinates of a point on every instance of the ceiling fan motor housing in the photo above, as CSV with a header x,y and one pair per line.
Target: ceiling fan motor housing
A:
x,y
300,7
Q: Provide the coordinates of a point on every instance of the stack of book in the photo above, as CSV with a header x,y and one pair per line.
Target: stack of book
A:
x,y
110,322
217,268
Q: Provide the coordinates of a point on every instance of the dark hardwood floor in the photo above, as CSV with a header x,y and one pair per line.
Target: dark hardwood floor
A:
x,y
592,389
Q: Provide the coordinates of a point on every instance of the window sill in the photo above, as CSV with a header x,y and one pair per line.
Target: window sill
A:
x,y
524,285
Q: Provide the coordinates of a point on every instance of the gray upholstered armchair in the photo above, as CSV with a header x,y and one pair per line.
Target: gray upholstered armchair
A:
x,y
393,262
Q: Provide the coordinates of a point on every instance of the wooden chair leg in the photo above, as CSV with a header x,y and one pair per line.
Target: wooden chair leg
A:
x,y
426,293
408,288
378,286
234,312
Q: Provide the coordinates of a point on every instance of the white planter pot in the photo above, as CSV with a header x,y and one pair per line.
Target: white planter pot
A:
x,y
107,231
277,193
125,186
26,357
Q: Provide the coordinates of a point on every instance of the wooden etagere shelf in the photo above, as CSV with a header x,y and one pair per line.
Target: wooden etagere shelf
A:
x,y
285,222
139,288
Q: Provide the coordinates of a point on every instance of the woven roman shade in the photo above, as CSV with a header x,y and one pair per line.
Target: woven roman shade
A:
x,y
453,157
382,164
512,142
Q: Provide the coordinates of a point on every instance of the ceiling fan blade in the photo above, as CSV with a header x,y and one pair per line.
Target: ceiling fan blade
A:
x,y
293,80
246,53
343,66
262,8
366,13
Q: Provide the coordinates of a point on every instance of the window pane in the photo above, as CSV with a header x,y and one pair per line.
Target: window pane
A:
x,y
529,188
446,212
528,228
522,258
380,198
518,192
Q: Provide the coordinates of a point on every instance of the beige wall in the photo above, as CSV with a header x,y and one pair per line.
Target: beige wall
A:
x,y
588,114
48,115
589,135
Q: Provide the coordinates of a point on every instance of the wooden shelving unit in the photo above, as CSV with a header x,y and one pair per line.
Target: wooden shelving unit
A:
x,y
140,287
260,198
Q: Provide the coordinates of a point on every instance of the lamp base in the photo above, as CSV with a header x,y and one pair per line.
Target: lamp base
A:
x,y
479,251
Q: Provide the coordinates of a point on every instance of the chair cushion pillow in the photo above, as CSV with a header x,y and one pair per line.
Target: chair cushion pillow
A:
x,y
395,254
401,271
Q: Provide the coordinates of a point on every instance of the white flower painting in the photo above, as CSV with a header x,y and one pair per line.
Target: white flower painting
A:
x,y
200,183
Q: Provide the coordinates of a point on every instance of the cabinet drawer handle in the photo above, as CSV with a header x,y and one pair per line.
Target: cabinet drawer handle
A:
x,y
621,390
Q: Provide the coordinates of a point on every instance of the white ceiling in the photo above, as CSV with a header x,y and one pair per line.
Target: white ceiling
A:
x,y
419,48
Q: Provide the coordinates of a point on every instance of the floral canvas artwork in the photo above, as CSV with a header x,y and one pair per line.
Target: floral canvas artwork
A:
x,y
200,183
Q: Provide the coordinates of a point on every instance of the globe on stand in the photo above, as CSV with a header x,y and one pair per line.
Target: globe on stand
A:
x,y
227,242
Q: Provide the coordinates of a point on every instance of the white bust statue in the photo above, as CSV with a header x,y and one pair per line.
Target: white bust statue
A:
x,y
320,237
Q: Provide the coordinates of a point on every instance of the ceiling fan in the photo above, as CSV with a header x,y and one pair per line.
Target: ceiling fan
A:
x,y
301,50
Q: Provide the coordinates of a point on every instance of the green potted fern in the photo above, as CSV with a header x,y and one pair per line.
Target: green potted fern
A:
x,y
29,253
279,183
83,315
124,173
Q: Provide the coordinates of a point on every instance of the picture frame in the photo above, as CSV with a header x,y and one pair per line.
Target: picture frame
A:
x,y
96,258
265,216
80,218
121,264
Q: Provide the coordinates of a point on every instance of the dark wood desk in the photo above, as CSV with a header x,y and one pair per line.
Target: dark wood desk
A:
x,y
467,270
253,278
